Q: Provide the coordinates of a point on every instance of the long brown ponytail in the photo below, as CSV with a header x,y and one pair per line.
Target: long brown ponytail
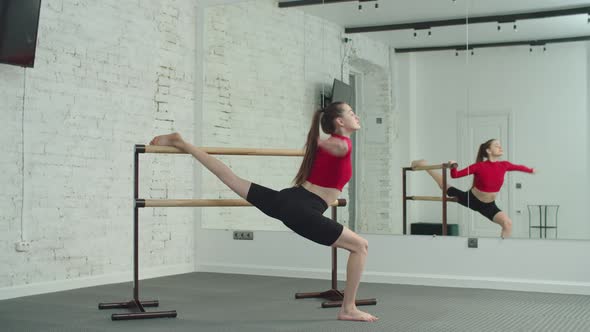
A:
x,y
482,152
325,118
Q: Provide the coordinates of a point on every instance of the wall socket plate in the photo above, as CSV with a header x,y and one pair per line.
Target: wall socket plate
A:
x,y
472,242
22,246
243,235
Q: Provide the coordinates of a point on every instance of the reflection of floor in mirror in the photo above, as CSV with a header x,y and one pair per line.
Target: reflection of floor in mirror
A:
x,y
225,302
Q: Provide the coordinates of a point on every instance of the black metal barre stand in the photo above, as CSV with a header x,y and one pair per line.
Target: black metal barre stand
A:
x,y
333,295
135,303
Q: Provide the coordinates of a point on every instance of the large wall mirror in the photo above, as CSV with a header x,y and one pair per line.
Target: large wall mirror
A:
x,y
432,80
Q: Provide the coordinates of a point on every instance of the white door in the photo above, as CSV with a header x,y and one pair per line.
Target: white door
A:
x,y
478,130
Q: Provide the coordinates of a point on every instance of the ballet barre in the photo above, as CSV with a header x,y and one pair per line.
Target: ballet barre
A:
x,y
139,305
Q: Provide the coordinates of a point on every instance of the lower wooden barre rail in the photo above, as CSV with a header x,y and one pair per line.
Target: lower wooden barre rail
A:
x,y
430,198
143,203
223,151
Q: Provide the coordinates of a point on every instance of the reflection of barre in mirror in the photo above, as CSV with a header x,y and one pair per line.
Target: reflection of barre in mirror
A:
x,y
443,198
324,171
488,177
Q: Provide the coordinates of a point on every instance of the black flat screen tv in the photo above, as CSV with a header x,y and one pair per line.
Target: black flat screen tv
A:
x,y
342,92
19,22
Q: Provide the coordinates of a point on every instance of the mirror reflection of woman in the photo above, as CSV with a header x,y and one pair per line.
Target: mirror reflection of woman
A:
x,y
325,169
488,177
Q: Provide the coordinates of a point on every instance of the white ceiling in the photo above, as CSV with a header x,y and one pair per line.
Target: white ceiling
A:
x,y
348,15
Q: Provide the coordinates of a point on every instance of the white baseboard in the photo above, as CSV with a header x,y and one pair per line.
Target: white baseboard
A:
x,y
62,285
545,286
525,285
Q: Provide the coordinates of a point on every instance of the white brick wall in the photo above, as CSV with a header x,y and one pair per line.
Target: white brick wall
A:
x,y
264,70
108,75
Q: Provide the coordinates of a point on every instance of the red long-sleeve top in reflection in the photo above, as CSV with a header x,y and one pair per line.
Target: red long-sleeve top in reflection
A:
x,y
489,175
331,171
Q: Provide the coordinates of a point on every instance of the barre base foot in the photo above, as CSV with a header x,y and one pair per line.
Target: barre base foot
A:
x,y
145,315
331,294
140,312
127,305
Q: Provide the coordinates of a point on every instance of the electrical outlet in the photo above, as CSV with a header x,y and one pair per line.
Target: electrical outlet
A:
x,y
472,242
22,246
243,235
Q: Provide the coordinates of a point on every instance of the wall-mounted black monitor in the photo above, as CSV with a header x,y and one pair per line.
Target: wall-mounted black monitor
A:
x,y
19,22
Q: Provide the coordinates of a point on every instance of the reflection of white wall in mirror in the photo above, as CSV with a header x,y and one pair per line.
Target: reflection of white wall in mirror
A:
x,y
547,93
431,97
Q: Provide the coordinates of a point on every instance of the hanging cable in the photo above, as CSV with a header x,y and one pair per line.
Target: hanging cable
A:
x,y
22,204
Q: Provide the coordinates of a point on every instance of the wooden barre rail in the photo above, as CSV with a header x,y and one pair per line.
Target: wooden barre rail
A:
x,y
430,198
429,167
223,151
141,203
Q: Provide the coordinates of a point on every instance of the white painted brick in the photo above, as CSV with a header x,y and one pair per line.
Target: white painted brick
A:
x,y
89,98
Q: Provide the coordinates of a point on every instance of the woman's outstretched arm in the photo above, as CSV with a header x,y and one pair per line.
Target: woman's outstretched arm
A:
x,y
471,169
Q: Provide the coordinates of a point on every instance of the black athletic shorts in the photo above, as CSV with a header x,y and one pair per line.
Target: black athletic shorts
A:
x,y
469,200
299,209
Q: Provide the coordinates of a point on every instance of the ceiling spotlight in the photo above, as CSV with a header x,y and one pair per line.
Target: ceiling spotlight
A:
x,y
531,49
415,34
499,27
429,33
544,48
456,52
515,27
376,5
472,53
360,7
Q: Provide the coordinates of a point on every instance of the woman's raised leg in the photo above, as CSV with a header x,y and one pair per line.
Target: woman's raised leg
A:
x,y
224,173
433,173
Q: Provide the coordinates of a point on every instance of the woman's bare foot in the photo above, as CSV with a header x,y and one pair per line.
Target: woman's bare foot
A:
x,y
417,163
356,315
173,139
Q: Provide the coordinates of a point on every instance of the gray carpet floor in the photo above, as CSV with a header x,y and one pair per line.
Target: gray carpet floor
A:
x,y
229,302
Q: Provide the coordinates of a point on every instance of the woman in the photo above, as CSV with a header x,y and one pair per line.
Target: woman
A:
x,y
488,177
325,169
